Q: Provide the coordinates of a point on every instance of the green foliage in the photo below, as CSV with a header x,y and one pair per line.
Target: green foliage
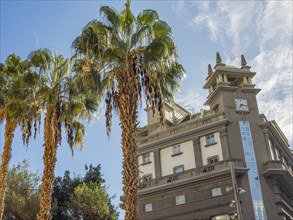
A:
x,y
93,174
73,198
90,201
23,193
66,190
62,190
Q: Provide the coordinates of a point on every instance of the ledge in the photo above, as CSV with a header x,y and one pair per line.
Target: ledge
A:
x,y
276,168
146,163
250,89
174,155
208,145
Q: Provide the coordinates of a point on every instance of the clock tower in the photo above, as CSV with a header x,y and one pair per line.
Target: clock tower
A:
x,y
232,93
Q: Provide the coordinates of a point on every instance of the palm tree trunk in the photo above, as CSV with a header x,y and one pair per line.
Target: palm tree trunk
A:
x,y
6,156
2,114
127,104
49,158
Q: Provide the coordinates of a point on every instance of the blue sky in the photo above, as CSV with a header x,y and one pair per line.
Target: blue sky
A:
x,y
261,30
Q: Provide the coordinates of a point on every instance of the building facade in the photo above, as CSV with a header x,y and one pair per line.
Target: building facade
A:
x,y
228,162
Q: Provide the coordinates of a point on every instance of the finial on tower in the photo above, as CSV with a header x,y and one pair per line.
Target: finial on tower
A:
x,y
218,58
219,61
243,61
210,71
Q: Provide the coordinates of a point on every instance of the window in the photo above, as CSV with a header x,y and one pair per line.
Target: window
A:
x,y
180,200
178,169
148,207
177,150
146,158
271,149
147,177
216,191
213,160
211,139
216,107
221,217
278,154
285,161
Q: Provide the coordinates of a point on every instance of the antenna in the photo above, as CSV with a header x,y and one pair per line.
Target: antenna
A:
x,y
189,108
201,113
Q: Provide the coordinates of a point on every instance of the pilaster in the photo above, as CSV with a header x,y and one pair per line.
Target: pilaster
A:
x,y
224,144
197,152
266,137
157,160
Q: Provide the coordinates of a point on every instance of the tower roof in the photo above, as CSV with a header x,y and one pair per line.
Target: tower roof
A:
x,y
229,75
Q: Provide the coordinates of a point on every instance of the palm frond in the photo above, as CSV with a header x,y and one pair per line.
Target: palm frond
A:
x,y
161,28
147,17
40,58
110,15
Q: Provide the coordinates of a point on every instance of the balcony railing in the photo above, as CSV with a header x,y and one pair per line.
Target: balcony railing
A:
x,y
192,173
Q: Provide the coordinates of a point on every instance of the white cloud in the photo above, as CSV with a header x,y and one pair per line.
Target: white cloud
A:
x,y
261,28
275,24
274,64
192,100
180,9
231,20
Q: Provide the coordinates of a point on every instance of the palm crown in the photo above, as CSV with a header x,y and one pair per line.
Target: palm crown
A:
x,y
17,101
60,87
121,44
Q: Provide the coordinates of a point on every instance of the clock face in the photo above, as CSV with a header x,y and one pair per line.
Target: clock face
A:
x,y
241,105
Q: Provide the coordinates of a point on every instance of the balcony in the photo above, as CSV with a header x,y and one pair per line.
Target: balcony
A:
x,y
278,169
209,171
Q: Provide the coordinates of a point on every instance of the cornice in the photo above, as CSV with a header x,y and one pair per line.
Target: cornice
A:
x,y
185,135
219,88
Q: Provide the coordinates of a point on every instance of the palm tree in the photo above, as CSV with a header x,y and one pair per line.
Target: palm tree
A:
x,y
17,108
129,56
64,105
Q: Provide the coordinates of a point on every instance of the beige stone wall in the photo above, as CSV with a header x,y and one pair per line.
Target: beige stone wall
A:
x,y
168,162
147,168
212,150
